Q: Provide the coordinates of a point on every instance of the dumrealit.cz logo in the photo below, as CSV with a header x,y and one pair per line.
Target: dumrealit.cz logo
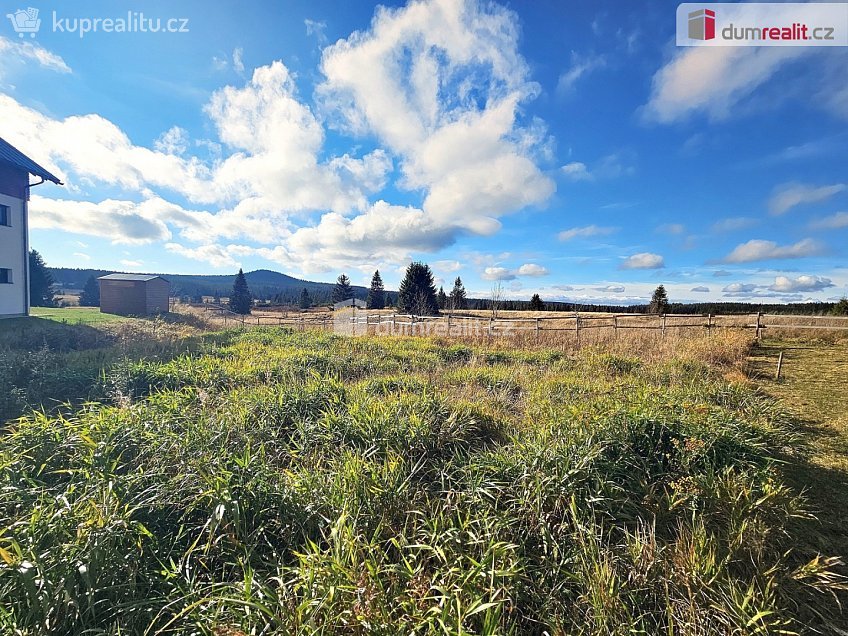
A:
x,y
762,24
27,22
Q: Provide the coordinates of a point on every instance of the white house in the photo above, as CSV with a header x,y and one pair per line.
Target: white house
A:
x,y
15,168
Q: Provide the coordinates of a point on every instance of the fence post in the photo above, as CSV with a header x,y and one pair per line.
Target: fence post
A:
x,y
537,330
662,324
491,321
709,323
779,366
759,323
615,326
577,327
449,325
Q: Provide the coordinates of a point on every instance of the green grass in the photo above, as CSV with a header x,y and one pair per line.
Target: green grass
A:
x,y
270,482
76,315
812,388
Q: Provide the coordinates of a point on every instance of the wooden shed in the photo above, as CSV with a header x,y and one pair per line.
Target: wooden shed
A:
x,y
134,294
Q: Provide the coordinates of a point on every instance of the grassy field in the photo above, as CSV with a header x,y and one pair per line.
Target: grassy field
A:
x,y
75,315
270,482
813,388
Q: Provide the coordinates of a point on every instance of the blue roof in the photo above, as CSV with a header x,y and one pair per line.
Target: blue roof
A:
x,y
14,157
134,277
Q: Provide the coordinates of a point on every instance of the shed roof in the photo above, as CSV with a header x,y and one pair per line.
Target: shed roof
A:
x,y
350,302
14,157
132,277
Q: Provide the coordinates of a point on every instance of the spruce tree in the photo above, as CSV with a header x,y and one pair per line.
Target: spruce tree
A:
x,y
840,308
90,296
343,289
442,298
240,298
536,303
659,301
377,293
417,293
457,295
305,301
40,282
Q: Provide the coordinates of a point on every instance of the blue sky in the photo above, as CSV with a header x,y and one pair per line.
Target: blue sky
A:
x,y
569,149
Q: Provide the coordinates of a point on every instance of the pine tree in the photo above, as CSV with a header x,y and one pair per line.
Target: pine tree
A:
x,y
659,301
840,308
305,300
417,293
240,298
90,296
377,293
457,295
442,298
536,303
40,282
343,289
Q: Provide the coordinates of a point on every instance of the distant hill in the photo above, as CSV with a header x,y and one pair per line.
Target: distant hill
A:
x,y
264,284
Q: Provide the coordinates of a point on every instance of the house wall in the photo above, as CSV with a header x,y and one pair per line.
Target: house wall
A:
x,y
13,182
123,297
14,297
158,296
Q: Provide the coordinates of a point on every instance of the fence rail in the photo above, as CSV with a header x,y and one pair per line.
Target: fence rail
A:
x,y
451,324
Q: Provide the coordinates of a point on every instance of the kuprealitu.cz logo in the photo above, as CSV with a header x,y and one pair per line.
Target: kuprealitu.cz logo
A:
x,y
762,24
27,22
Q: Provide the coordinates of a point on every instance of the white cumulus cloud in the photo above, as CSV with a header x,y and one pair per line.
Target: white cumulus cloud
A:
x,y
800,284
760,250
643,260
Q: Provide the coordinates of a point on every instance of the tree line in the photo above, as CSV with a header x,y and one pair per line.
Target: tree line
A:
x,y
418,295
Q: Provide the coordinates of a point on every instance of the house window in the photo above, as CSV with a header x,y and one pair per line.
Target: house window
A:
x,y
5,275
5,215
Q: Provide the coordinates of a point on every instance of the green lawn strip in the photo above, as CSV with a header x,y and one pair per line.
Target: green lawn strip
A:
x,y
814,387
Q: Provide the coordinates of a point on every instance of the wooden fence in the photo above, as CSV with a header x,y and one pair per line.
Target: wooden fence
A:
x,y
354,322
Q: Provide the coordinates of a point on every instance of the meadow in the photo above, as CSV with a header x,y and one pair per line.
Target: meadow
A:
x,y
267,481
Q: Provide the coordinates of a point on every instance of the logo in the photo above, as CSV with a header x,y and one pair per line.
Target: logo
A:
x,y
25,21
702,24
762,24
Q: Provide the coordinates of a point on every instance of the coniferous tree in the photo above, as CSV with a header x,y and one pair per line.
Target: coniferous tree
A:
x,y
536,303
240,298
40,282
417,292
659,301
840,308
457,295
442,298
305,300
90,296
343,289
377,293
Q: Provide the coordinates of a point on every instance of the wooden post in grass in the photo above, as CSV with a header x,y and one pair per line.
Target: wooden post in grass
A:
x,y
662,324
779,366
577,327
759,323
615,326
537,330
449,325
709,323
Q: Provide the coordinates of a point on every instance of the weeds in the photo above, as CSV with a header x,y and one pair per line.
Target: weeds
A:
x,y
273,482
